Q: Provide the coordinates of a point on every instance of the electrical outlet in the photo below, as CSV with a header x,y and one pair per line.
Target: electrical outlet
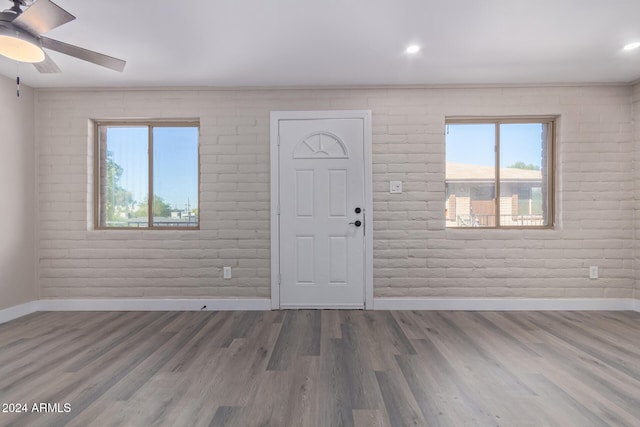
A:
x,y
395,187
226,271
593,272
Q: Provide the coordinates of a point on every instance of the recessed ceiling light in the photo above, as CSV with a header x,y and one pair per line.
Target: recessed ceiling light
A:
x,y
632,46
413,49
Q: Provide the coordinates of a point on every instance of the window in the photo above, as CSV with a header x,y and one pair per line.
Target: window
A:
x,y
511,158
147,175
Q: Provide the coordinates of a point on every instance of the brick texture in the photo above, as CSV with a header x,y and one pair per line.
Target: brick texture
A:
x,y
414,255
636,134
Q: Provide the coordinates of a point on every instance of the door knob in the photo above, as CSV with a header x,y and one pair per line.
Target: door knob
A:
x,y
357,223
358,210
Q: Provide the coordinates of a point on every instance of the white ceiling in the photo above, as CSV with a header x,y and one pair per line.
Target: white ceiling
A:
x,y
344,42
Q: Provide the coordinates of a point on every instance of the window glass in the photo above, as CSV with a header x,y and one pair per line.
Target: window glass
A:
x,y
124,176
147,176
522,164
523,178
175,176
470,173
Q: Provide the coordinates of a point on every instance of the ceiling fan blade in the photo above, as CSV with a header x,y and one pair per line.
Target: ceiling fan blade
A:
x,y
84,54
47,66
42,16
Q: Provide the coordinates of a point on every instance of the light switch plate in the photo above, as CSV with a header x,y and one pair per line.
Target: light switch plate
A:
x,y
395,186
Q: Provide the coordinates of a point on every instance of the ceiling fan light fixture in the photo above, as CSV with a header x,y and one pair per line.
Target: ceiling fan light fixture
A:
x,y
20,46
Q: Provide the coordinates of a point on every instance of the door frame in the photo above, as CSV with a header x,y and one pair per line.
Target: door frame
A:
x,y
276,117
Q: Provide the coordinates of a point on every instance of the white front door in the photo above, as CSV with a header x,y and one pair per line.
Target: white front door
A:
x,y
322,212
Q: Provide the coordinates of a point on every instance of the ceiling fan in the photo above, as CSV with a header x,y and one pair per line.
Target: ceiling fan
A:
x,y
21,36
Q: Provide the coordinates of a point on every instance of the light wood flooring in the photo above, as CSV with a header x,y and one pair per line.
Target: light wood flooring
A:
x,y
323,368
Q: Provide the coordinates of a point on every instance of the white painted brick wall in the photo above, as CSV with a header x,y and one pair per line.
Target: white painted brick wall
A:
x,y
415,256
635,99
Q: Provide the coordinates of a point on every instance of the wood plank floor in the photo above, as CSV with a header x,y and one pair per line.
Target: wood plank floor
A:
x,y
322,368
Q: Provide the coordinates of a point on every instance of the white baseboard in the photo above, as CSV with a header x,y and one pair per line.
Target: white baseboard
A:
x,y
470,304
241,304
321,307
508,304
154,304
18,311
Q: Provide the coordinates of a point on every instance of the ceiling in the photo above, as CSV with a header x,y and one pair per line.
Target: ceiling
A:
x,y
169,43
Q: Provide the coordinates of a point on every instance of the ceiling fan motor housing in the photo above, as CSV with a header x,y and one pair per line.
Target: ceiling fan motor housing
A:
x,y
8,15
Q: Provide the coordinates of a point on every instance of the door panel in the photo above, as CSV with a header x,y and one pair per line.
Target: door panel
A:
x,y
338,260
305,187
304,259
321,184
338,193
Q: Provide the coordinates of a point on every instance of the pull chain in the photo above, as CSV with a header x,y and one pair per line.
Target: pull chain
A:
x,y
18,79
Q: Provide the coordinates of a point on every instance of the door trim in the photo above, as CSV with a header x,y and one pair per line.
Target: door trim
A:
x,y
276,117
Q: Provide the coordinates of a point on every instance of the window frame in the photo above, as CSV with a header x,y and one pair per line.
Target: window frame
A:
x,y
150,125
551,122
